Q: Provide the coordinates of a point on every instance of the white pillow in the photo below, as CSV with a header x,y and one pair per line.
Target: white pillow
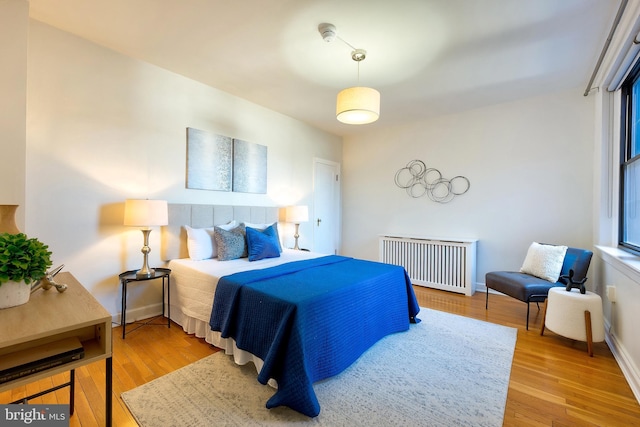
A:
x,y
544,261
257,226
228,226
200,243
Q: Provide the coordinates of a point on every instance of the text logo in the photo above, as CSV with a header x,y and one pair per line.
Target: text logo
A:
x,y
34,415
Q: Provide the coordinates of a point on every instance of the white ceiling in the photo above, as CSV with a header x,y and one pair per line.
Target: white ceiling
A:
x,y
426,57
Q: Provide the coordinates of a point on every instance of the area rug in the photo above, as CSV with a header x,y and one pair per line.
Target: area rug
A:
x,y
447,370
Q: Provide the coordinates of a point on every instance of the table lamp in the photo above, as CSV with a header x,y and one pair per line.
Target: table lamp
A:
x,y
146,214
296,215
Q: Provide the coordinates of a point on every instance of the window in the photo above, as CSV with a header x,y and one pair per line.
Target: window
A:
x,y
630,163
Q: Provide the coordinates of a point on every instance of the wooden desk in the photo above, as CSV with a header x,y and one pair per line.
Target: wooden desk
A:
x,y
51,316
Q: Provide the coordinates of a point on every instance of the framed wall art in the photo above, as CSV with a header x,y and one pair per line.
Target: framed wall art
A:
x,y
209,161
249,167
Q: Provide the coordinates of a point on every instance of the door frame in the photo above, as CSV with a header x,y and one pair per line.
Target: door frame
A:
x,y
337,202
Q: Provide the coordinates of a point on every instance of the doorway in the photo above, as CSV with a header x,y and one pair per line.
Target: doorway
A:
x,y
326,206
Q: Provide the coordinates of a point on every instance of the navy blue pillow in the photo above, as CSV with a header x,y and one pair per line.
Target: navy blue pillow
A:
x,y
262,244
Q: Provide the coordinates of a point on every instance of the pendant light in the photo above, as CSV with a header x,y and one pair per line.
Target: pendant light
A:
x,y
356,105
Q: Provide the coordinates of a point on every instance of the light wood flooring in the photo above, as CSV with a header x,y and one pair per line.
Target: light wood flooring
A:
x,y
553,380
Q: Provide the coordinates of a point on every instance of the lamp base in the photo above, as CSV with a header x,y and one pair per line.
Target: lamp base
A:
x,y
145,272
296,235
140,274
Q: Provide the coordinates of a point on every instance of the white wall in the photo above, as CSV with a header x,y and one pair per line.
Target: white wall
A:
x,y
614,267
530,168
14,25
102,127
621,271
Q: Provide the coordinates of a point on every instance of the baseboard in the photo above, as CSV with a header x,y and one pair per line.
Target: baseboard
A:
x,y
481,287
629,370
140,313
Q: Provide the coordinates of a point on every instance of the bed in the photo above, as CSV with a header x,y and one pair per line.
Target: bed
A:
x,y
300,317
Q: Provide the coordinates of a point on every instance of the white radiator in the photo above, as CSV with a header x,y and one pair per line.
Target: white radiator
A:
x,y
444,264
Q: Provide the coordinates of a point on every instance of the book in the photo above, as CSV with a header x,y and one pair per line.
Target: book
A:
x,y
36,359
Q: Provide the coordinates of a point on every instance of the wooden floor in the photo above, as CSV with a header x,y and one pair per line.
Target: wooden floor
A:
x,y
553,380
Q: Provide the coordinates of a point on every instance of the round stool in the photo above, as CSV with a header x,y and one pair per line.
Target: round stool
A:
x,y
574,315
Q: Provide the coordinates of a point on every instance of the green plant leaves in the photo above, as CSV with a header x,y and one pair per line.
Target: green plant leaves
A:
x,y
22,258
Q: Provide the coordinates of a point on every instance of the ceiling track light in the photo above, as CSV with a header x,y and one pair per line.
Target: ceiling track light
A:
x,y
356,105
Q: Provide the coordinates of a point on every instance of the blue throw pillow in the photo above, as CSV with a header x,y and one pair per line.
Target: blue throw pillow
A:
x,y
261,227
262,244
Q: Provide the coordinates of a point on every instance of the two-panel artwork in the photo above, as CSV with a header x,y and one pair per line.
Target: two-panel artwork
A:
x,y
221,163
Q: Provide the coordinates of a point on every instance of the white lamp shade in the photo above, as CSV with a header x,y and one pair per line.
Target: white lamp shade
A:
x,y
145,213
358,105
297,214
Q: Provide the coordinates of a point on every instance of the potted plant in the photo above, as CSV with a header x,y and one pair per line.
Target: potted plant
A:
x,y
23,260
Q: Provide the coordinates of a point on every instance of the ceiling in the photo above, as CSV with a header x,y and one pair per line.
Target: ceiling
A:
x,y
426,57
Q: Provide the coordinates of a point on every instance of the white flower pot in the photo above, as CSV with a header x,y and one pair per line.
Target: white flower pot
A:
x,y
14,293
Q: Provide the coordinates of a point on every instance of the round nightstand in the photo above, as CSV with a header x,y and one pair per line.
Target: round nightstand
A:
x,y
130,276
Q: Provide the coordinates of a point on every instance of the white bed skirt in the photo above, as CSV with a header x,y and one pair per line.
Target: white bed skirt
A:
x,y
200,329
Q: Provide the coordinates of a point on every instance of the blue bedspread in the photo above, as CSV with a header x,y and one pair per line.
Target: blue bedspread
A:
x,y
309,320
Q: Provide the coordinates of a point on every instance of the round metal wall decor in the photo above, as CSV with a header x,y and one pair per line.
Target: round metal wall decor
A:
x,y
419,180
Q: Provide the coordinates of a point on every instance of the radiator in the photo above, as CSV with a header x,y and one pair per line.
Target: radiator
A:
x,y
444,264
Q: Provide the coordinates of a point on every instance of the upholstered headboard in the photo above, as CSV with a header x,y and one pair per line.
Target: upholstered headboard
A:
x,y
174,235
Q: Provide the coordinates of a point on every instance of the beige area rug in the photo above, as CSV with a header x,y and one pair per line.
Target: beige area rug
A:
x,y
447,370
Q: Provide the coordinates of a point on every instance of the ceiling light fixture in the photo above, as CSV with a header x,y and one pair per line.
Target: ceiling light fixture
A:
x,y
356,105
